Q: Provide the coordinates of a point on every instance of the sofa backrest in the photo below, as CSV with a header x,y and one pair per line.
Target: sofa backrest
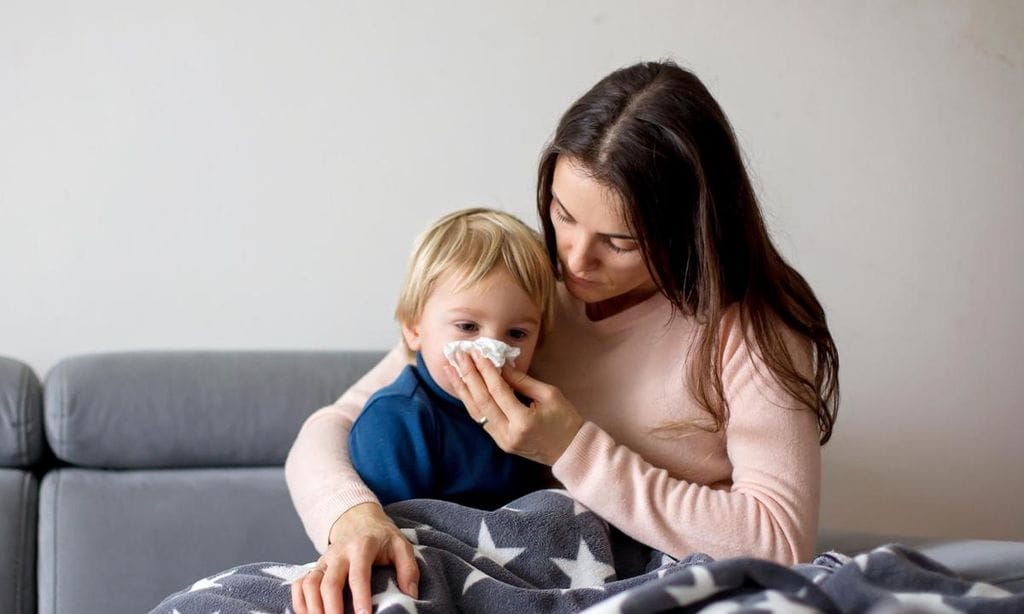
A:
x,y
176,469
146,410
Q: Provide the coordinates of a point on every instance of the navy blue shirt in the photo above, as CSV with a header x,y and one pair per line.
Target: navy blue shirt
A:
x,y
414,440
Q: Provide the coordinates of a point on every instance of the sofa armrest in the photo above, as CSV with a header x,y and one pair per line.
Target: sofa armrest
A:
x,y
21,415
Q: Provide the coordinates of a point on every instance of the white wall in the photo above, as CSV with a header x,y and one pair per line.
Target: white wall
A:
x,y
251,174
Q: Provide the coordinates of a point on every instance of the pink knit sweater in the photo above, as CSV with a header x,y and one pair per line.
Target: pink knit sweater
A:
x,y
750,489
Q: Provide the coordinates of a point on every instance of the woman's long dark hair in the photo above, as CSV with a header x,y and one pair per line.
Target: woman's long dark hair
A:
x,y
654,134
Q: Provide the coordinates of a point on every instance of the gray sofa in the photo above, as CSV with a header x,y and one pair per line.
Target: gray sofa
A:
x,y
158,469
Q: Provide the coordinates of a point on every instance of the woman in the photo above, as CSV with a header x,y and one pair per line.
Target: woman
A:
x,y
689,380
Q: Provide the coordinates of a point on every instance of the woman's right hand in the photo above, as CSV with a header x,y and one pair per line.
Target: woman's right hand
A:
x,y
362,537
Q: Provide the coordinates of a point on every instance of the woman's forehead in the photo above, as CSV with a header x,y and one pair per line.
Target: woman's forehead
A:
x,y
590,202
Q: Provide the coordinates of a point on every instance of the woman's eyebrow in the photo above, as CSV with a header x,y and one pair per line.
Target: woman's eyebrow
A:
x,y
610,235
558,201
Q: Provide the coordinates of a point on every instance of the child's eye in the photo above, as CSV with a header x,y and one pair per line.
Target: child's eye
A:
x,y
466,327
518,334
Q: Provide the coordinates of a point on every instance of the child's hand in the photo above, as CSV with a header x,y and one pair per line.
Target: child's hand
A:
x,y
540,432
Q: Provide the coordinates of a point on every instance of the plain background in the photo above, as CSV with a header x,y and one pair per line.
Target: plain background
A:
x,y
250,175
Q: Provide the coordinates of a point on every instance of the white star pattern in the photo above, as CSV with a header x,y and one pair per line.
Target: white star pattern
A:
x,y
612,605
585,571
209,582
474,576
722,608
485,548
927,602
777,602
981,589
862,561
288,573
703,586
392,596
417,551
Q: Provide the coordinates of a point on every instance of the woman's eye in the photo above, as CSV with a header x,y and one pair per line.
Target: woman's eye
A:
x,y
562,217
518,334
466,327
621,250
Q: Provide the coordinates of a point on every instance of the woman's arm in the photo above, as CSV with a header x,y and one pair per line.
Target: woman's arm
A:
x,y
321,480
341,515
771,508
769,511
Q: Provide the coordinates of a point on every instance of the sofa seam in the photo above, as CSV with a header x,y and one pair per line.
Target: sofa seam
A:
x,y
19,589
56,526
23,407
62,407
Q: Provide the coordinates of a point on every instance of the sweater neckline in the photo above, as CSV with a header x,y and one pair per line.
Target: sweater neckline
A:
x,y
629,317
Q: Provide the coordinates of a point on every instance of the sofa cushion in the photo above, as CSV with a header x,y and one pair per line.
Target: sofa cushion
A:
x,y
996,562
120,541
18,499
190,409
21,414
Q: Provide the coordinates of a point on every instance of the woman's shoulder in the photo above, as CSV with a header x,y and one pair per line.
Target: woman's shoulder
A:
x,y
739,331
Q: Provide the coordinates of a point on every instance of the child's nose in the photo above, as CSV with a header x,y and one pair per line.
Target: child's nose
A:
x,y
493,333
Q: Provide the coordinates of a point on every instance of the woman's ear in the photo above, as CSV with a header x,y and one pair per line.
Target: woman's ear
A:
x,y
411,334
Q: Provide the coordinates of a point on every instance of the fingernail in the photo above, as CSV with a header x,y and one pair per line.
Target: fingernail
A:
x,y
412,591
361,611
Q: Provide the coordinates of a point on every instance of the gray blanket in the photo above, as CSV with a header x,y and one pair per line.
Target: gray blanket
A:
x,y
546,553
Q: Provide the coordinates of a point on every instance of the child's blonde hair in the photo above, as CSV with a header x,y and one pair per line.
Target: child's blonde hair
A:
x,y
470,243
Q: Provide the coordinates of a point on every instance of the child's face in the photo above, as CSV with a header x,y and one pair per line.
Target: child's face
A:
x,y
493,307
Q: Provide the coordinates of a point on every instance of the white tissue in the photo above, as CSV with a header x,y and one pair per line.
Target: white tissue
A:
x,y
498,352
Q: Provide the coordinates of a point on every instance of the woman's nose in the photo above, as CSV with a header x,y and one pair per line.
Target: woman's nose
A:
x,y
579,257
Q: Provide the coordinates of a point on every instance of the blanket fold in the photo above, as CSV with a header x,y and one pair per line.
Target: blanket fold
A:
x,y
547,553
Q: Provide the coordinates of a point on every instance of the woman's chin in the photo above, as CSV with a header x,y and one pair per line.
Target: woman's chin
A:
x,y
586,293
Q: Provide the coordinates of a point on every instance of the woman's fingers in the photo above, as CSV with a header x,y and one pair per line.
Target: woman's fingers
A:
x,y
311,592
521,382
360,538
474,393
332,587
406,569
298,599
359,573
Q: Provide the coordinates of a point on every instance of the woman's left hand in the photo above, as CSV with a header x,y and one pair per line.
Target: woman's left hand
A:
x,y
540,432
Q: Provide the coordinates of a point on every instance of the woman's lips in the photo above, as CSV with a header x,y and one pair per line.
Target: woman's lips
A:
x,y
580,281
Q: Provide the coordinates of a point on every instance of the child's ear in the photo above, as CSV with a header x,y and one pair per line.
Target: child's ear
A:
x,y
411,334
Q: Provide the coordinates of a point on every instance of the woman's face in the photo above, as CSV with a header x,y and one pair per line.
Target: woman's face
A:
x,y
600,258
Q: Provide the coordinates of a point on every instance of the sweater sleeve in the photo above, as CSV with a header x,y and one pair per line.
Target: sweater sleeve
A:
x,y
321,479
769,511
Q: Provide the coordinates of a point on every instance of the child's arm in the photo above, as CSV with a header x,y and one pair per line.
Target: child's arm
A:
x,y
393,447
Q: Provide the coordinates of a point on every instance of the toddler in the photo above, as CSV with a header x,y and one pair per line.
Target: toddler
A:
x,y
479,276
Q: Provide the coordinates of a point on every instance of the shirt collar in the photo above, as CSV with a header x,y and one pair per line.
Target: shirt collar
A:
x,y
435,389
